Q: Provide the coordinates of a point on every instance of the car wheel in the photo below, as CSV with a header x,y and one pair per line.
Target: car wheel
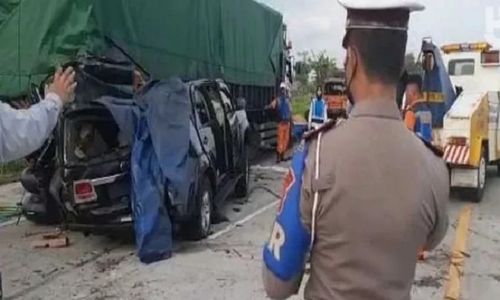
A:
x,y
241,189
40,212
200,225
477,193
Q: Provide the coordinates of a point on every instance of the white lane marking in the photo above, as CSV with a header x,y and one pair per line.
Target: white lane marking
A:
x,y
270,168
12,222
242,221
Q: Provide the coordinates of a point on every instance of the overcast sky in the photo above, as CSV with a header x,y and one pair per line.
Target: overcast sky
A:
x,y
319,24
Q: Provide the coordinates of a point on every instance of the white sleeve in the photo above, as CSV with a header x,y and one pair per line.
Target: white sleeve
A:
x,y
22,132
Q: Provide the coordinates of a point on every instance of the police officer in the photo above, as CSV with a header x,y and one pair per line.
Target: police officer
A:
x,y
371,192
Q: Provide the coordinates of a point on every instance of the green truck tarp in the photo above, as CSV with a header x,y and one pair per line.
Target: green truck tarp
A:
x,y
240,41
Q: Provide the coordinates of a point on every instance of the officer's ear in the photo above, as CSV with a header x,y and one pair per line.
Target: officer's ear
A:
x,y
351,62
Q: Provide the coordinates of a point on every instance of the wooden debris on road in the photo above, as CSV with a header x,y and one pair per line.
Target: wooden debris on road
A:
x,y
56,239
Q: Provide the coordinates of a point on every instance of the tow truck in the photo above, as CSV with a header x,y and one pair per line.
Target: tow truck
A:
x,y
335,96
471,128
464,102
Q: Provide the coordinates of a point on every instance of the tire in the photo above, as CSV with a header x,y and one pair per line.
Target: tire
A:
x,y
477,193
48,214
498,168
201,223
241,189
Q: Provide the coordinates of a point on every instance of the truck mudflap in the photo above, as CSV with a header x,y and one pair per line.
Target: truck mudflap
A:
x,y
456,155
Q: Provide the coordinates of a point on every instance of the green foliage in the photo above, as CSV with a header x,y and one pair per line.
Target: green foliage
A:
x,y
412,66
300,104
10,171
324,66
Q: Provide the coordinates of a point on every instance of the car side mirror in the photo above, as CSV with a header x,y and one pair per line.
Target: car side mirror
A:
x,y
241,104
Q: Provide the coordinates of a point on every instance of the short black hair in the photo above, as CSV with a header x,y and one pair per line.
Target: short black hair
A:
x,y
382,52
416,80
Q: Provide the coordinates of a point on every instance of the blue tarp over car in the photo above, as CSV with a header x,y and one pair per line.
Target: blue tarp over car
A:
x,y
159,124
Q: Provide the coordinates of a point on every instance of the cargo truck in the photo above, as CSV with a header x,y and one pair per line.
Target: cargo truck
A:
x,y
242,42
203,42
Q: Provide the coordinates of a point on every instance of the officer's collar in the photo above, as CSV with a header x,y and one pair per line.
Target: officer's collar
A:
x,y
376,108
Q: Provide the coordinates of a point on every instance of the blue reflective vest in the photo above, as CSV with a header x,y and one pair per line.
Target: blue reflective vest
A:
x,y
318,110
285,252
284,109
423,123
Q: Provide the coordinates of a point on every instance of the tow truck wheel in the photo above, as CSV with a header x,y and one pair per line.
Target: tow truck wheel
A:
x,y
200,225
478,192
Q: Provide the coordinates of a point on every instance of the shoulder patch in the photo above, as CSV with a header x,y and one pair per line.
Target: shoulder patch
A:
x,y
312,134
438,152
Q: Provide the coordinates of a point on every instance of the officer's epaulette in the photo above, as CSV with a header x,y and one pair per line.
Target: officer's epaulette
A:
x,y
438,152
330,124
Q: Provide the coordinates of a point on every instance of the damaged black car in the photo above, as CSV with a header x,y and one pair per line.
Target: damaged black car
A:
x,y
82,175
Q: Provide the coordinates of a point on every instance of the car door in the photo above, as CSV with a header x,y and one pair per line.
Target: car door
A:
x,y
203,124
219,126
233,137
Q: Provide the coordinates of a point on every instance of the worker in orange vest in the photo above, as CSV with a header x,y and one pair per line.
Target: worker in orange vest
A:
x,y
417,115
284,109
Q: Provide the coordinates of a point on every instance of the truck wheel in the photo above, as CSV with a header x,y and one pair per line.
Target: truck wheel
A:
x,y
201,223
241,189
478,192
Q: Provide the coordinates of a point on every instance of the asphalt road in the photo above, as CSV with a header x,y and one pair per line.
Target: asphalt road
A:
x,y
225,266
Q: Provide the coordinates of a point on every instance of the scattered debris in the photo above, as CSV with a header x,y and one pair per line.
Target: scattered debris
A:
x,y
27,234
52,240
45,275
51,243
236,209
237,253
423,255
108,264
429,281
496,277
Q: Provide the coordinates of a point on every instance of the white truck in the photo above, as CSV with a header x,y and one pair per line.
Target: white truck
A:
x,y
470,136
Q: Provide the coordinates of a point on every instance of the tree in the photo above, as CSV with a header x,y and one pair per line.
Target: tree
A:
x,y
411,64
321,63
324,66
